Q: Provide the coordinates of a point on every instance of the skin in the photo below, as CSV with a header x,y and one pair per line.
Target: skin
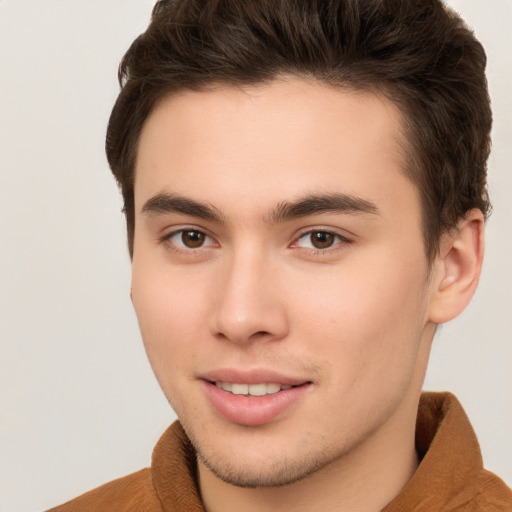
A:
x,y
241,287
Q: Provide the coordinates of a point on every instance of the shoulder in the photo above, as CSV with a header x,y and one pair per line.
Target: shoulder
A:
x,y
132,493
170,483
451,476
490,493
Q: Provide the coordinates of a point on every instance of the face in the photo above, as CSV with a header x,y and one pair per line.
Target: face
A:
x,y
279,275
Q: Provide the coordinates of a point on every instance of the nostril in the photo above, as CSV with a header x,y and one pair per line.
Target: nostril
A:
x,y
259,334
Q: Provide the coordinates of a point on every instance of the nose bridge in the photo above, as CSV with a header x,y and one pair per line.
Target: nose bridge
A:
x,y
247,306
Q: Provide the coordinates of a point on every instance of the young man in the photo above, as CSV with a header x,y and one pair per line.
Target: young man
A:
x,y
305,195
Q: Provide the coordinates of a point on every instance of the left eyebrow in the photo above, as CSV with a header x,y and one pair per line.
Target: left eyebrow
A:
x,y
316,204
162,204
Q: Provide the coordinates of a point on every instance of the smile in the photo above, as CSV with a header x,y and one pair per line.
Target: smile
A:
x,y
251,389
256,403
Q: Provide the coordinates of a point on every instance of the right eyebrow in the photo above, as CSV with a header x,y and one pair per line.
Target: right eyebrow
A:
x,y
316,204
172,203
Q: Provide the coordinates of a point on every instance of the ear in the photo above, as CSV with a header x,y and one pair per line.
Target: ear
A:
x,y
456,269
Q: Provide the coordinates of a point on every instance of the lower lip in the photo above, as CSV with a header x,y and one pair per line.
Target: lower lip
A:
x,y
252,410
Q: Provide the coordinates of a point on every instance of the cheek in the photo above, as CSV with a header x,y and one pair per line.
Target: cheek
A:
x,y
369,324
166,297
170,310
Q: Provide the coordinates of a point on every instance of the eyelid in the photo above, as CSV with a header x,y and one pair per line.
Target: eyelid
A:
x,y
166,237
343,238
342,233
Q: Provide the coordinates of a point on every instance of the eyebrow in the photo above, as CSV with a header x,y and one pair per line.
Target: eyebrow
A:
x,y
311,204
170,203
316,204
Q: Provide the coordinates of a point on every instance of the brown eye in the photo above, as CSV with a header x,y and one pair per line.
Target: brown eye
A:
x,y
322,239
319,240
192,239
188,240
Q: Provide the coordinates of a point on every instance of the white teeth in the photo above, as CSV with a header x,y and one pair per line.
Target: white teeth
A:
x,y
273,388
258,389
226,386
240,389
251,389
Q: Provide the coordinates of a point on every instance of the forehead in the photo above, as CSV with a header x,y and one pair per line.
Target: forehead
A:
x,y
268,143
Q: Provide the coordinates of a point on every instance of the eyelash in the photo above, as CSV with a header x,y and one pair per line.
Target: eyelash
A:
x,y
338,240
167,239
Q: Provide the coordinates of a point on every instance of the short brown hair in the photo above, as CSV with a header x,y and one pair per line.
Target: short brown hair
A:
x,y
418,53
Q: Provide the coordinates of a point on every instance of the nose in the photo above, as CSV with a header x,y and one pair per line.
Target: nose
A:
x,y
249,305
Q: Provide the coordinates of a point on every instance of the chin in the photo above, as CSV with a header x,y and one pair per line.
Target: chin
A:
x,y
254,474
262,459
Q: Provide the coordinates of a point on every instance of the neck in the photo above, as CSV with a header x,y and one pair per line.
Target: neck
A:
x,y
365,479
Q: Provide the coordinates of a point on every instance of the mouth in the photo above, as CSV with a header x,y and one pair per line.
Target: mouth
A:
x,y
260,389
255,402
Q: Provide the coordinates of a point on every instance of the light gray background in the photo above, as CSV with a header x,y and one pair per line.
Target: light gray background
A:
x,y
78,404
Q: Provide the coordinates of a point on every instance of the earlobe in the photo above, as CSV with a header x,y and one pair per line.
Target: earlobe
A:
x,y
457,268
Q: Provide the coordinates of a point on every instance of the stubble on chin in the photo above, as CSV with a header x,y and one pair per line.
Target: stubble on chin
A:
x,y
275,474
276,471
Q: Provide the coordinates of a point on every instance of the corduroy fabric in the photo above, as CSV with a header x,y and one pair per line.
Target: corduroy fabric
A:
x,y
450,477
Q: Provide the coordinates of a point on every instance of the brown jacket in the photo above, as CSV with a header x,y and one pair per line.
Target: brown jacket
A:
x,y
450,477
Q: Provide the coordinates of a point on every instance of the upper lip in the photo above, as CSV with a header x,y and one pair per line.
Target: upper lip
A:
x,y
253,376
